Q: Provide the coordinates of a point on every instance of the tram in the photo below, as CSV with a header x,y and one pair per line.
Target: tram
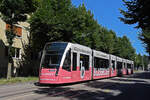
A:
x,y
64,62
130,65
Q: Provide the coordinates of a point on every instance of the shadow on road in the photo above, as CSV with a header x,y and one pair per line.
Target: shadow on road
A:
x,y
114,89
143,75
128,80
69,93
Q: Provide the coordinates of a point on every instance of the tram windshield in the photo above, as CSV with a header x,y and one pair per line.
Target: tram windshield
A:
x,y
53,55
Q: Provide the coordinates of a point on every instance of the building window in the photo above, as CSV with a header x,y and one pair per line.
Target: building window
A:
x,y
15,52
85,61
16,29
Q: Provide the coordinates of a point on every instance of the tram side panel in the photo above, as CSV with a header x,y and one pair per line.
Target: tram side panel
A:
x,y
132,68
124,67
119,67
113,71
81,63
101,65
129,67
75,67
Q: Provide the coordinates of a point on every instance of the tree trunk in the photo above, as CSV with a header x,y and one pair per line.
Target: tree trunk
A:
x,y
10,60
9,70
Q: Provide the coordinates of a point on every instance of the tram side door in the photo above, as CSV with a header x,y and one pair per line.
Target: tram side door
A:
x,y
75,67
85,67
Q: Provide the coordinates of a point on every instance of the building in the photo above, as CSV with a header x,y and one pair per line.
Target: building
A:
x,y
20,40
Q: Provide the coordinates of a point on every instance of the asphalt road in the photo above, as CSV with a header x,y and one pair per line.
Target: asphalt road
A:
x,y
133,87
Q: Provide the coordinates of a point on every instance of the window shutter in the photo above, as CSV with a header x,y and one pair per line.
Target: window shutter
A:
x,y
17,30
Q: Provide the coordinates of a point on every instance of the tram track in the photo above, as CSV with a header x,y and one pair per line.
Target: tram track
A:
x,y
15,93
82,93
68,92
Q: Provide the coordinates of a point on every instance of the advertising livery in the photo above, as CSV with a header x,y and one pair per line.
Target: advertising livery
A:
x,y
63,62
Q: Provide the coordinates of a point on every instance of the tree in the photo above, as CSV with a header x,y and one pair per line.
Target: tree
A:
x,y
60,21
138,61
145,61
145,37
107,40
51,22
84,27
138,13
141,61
124,48
12,12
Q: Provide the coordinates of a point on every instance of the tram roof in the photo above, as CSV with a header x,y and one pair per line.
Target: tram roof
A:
x,y
113,57
119,59
129,61
101,54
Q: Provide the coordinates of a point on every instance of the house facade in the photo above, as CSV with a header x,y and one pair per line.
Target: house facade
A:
x,y
20,40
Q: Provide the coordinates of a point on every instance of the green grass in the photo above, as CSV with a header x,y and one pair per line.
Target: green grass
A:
x,y
136,71
18,80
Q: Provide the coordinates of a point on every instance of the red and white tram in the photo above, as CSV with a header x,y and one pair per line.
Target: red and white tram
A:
x,y
101,65
124,69
119,66
113,63
129,67
64,62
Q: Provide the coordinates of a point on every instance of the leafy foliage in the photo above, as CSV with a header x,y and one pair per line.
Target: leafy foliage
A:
x,y
107,40
138,13
145,37
141,61
61,21
124,48
12,12
55,20
51,22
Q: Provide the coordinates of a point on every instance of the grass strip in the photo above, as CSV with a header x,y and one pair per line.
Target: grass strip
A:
x,y
18,80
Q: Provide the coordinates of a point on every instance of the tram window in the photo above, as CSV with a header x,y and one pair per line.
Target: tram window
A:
x,y
97,62
128,65
124,65
101,63
85,61
119,65
113,64
74,61
67,62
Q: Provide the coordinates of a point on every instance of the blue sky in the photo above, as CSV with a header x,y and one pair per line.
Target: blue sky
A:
x,y
106,12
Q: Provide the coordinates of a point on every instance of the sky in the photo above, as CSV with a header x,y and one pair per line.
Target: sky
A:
x,y
107,13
